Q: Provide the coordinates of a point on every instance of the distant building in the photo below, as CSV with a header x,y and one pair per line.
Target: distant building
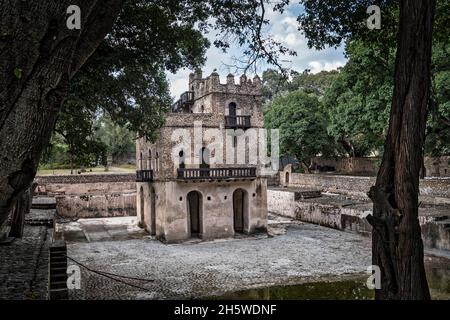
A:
x,y
184,189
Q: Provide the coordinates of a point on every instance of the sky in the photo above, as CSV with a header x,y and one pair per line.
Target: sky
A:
x,y
283,28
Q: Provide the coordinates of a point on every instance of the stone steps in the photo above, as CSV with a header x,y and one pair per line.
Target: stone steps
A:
x,y
57,282
45,203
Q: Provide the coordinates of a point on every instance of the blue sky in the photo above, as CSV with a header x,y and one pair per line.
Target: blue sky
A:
x,y
283,28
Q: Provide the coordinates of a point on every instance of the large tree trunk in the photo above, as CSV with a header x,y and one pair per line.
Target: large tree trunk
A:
x,y
20,209
396,240
38,57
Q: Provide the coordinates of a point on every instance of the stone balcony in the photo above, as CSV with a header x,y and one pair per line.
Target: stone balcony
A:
x,y
186,100
216,173
144,175
237,122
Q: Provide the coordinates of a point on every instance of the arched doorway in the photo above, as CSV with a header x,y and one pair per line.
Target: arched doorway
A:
x,y
239,210
141,222
153,211
286,178
194,208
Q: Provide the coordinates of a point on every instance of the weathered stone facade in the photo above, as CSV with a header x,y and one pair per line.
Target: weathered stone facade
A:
x,y
90,196
437,166
205,177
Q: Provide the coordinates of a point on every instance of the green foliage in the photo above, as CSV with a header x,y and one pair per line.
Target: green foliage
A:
x,y
358,102
315,83
119,141
302,125
437,140
276,83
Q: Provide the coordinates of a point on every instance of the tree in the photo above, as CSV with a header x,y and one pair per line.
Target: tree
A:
x,y
118,140
276,82
302,126
75,126
397,246
358,101
437,142
40,56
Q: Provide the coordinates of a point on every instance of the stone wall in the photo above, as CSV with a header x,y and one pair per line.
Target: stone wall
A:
x,y
434,166
436,191
281,202
348,214
437,167
360,166
91,195
85,178
96,205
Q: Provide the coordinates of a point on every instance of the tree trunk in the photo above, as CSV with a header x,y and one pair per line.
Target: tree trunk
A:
x,y
71,163
397,246
423,169
38,57
18,215
305,167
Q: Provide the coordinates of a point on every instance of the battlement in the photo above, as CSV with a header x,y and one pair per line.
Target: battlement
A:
x,y
211,84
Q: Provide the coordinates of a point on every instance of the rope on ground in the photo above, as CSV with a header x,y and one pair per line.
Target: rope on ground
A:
x,y
112,275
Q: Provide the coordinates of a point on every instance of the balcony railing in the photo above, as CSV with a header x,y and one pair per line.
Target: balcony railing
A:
x,y
216,173
237,122
144,175
186,99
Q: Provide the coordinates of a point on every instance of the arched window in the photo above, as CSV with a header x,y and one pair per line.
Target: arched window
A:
x,y
149,159
140,161
232,109
157,161
202,109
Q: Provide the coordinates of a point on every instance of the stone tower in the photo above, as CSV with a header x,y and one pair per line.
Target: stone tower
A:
x,y
200,178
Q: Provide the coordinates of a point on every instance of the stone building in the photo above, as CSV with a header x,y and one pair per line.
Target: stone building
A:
x,y
200,178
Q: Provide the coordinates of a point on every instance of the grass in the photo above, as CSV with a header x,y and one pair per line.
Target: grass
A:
x,y
123,168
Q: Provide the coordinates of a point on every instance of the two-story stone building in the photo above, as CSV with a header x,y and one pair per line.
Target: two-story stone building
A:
x,y
199,179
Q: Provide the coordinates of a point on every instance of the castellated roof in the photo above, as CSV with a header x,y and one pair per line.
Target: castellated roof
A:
x,y
211,83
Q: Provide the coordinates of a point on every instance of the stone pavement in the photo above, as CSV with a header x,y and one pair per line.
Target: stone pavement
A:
x,y
304,253
24,265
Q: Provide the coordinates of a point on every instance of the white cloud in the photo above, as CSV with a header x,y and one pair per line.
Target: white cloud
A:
x,y
317,66
283,28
